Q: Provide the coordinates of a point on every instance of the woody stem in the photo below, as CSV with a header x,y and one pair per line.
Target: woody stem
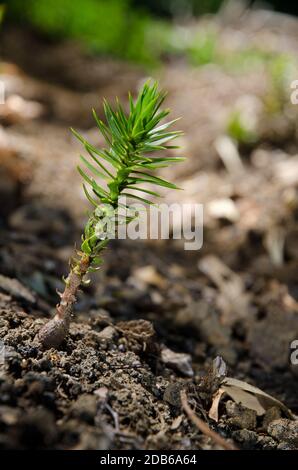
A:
x,y
54,331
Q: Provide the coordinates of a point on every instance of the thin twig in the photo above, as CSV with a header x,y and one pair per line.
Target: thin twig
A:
x,y
202,426
114,415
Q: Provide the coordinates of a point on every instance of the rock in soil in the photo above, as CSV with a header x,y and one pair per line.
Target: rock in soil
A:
x,y
285,431
241,417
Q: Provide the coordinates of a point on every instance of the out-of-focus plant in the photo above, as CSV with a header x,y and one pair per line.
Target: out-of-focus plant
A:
x,y
2,10
123,165
203,49
204,44
103,26
239,129
123,28
281,70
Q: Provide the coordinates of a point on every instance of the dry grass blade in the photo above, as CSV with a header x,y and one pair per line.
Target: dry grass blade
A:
x,y
202,426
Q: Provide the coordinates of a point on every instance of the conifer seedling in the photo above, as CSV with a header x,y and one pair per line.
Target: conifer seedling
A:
x,y
133,142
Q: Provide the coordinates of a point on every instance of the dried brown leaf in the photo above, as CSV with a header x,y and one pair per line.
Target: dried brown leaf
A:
x,y
252,397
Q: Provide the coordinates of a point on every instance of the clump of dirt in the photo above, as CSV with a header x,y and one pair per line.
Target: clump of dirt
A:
x,y
101,391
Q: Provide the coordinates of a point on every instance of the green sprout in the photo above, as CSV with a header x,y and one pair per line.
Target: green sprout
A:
x,y
121,167
239,129
2,12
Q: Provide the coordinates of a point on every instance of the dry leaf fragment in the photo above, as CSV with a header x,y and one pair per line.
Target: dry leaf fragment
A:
x,y
17,109
244,398
219,367
228,153
233,300
275,243
247,395
286,171
213,412
16,289
224,208
102,393
149,276
176,423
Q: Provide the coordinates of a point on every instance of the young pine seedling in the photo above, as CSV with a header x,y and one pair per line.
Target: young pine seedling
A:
x,y
123,165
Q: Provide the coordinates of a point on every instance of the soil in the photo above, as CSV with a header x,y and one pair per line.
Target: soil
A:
x,y
156,319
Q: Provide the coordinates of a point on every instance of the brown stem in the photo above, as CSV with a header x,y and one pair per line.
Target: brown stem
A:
x,y
202,426
54,331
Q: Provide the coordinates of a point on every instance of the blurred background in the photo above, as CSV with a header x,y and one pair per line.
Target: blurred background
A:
x,y
135,30
228,68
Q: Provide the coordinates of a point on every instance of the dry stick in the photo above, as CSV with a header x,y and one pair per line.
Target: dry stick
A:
x,y
202,426
54,331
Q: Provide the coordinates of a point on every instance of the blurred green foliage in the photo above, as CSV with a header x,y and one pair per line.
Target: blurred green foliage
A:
x,y
105,26
2,11
203,49
238,129
282,70
125,29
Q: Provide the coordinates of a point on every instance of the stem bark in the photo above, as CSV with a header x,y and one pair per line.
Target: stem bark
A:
x,y
54,331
